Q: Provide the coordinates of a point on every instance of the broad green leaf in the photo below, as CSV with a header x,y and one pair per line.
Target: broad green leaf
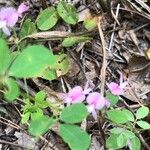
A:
x,y
143,124
31,62
74,113
76,138
117,130
49,74
27,28
13,89
128,114
117,116
60,68
36,115
90,23
40,125
142,112
4,56
123,131
67,12
70,41
121,140
128,134
112,98
111,142
47,19
135,143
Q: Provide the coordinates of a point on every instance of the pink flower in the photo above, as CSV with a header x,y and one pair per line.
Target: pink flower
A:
x,y
22,8
75,95
96,102
117,89
9,17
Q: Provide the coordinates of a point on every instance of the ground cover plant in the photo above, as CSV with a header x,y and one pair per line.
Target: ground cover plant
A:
x,y
75,75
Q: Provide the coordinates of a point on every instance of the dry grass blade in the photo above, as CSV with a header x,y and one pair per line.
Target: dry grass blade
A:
x,y
135,7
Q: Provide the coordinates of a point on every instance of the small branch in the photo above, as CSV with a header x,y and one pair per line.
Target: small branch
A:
x,y
102,77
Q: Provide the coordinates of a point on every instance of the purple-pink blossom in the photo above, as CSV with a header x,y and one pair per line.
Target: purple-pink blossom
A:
x,y
9,17
75,95
117,89
96,102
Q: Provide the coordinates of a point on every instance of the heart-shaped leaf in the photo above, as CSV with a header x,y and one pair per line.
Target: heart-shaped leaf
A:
x,y
47,18
76,138
67,12
31,62
74,113
40,125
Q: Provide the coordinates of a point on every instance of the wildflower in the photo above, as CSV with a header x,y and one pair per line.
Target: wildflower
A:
x,y
117,89
9,17
22,8
96,102
75,95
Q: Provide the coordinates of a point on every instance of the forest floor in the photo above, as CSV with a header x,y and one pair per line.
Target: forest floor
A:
x,y
120,44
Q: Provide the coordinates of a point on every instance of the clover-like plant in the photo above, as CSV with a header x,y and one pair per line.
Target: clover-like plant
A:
x,y
33,61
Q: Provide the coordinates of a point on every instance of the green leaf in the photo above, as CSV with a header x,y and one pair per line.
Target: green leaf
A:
x,y
128,114
112,98
60,68
31,62
67,12
41,125
111,142
143,124
36,115
25,118
49,74
76,138
47,19
70,41
117,116
121,140
128,134
4,56
27,28
135,143
40,96
142,112
74,113
90,24
62,64
117,130
13,89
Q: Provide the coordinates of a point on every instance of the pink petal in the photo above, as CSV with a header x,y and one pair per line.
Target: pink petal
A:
x,y
124,84
115,88
96,99
22,8
79,99
9,15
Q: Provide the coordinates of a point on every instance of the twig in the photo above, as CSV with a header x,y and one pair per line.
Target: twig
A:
x,y
13,144
104,65
102,77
